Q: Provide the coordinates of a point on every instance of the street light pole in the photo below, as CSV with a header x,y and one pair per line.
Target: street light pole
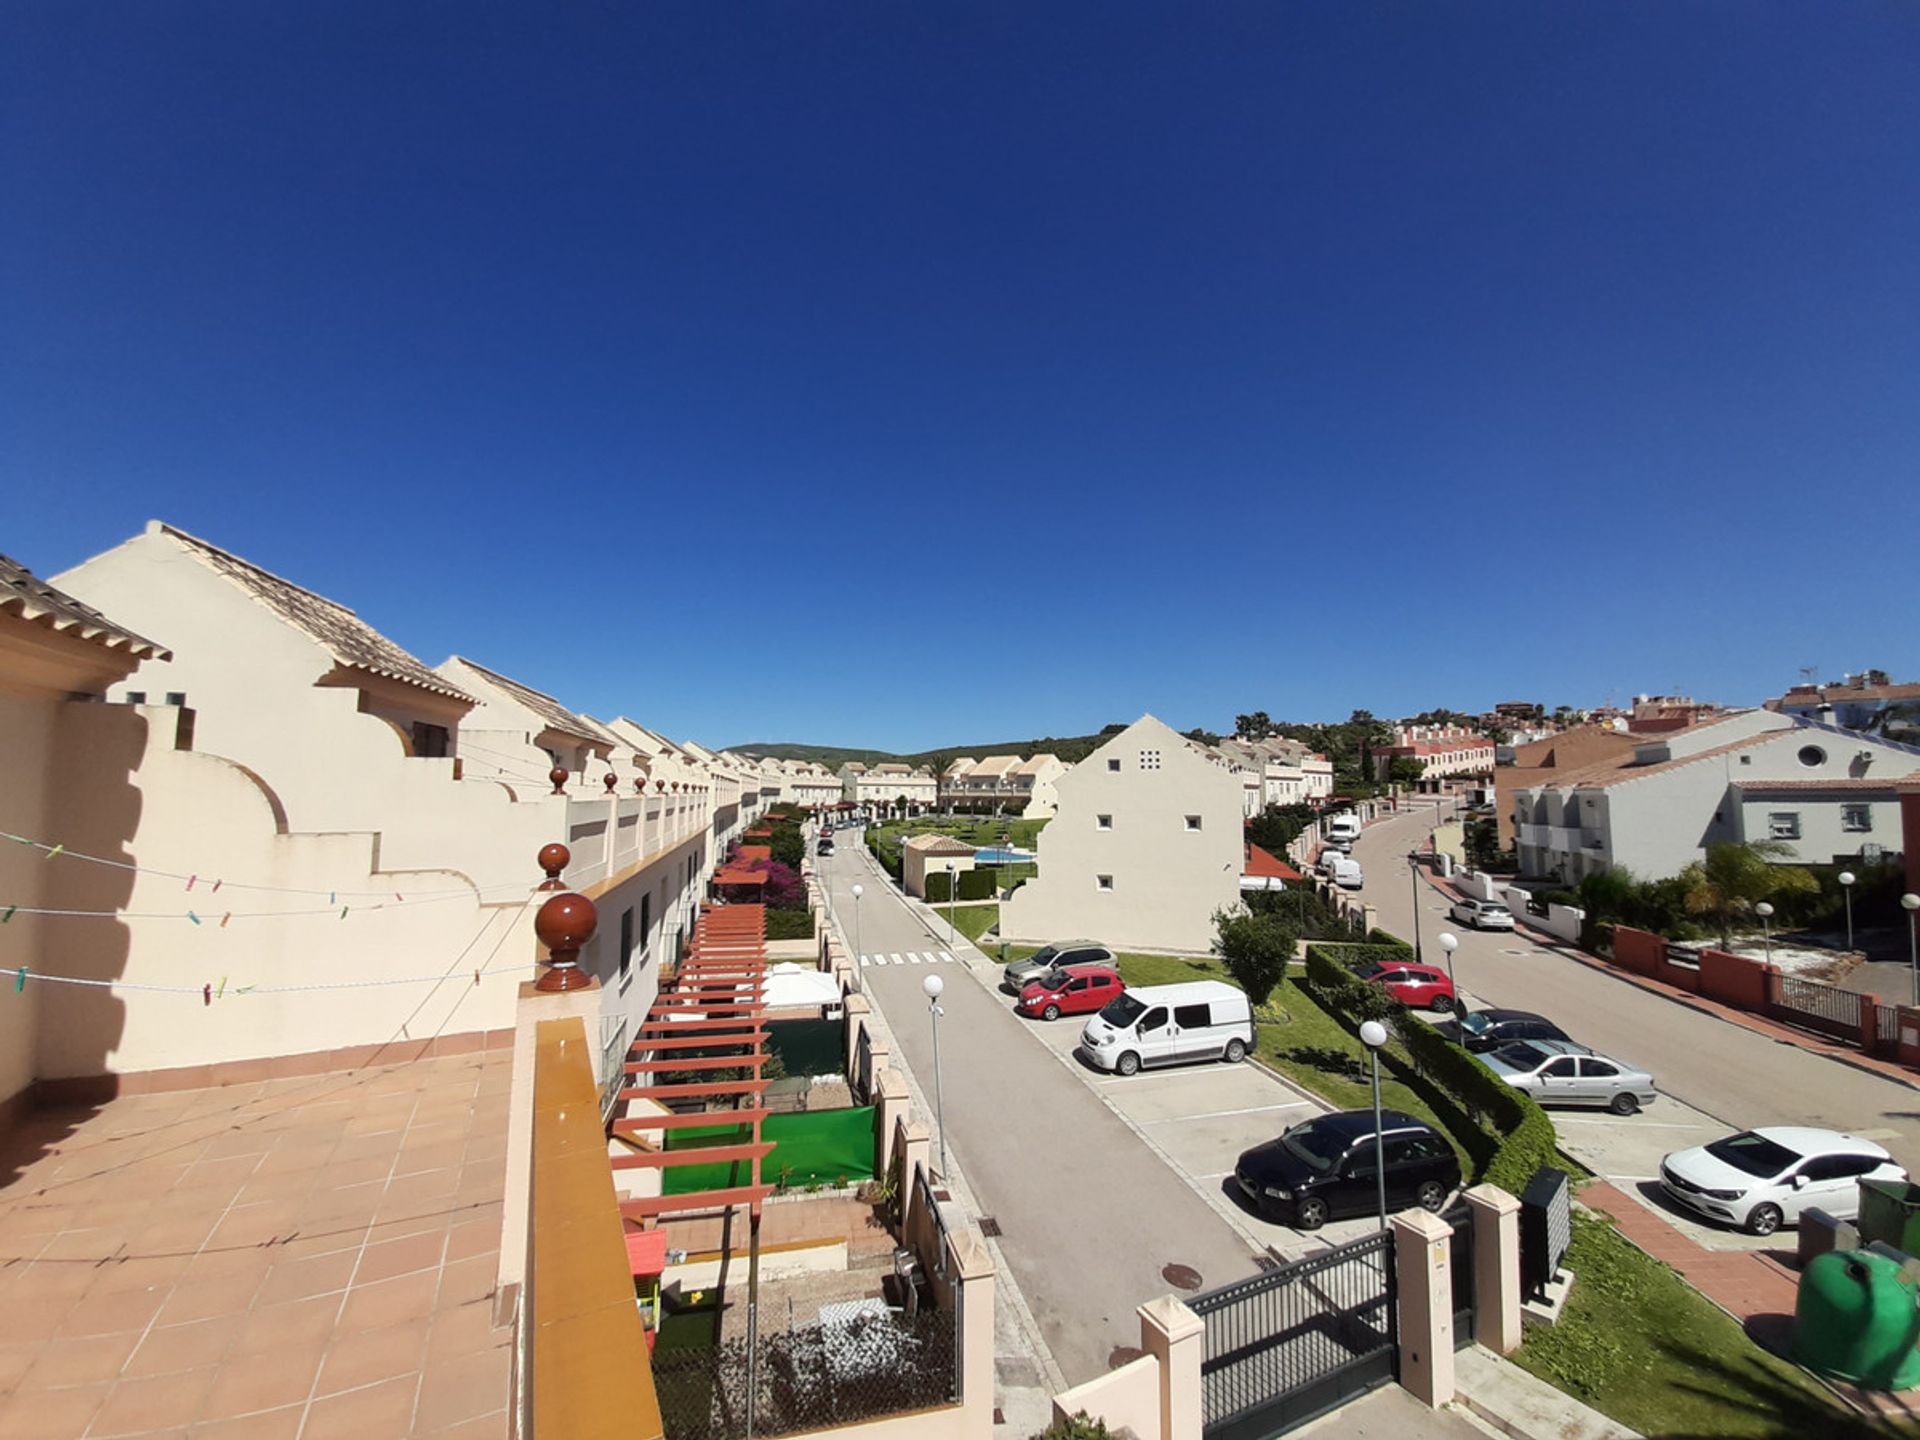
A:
x,y
1847,878
1911,903
1374,1035
1765,912
1413,874
951,889
1449,943
859,955
933,985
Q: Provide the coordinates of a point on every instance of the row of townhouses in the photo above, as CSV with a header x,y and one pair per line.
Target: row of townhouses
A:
x,y
1274,771
227,787
1004,785
891,789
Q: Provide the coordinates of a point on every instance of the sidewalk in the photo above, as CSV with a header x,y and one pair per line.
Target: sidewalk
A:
x,y
1746,1284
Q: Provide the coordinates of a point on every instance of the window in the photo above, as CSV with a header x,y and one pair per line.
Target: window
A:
x,y
1079,982
1193,822
1599,1069
1561,1069
1105,882
626,942
1812,755
136,697
646,919
177,697
1149,759
1783,825
430,741
1154,1019
1857,818
1113,764
1103,822
1192,1017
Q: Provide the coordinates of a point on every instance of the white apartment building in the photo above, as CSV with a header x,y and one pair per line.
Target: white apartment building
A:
x,y
1276,771
1145,847
518,735
1003,785
889,789
1445,752
1829,794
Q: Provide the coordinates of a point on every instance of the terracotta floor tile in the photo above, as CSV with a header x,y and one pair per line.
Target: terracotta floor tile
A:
x,y
195,1345
246,1140
462,1389
388,1258
141,1272
471,1238
45,1280
298,1278
315,1238
280,1424
50,1414
107,1312
461,1332
373,1356
81,1361
137,1406
253,1225
200,1298
16,1361
468,1282
485,1427
390,1302
247,1383
384,1409
271,1329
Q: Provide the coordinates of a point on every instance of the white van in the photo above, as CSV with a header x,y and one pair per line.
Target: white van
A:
x,y
1169,1024
1343,872
1343,829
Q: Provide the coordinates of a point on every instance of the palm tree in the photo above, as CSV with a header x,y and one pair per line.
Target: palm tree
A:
x,y
1735,877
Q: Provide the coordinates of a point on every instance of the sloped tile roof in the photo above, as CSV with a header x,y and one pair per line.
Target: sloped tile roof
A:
x,y
337,630
25,594
939,845
556,715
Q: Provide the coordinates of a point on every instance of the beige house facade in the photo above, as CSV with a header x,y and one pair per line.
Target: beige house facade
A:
x,y
922,855
890,789
1145,847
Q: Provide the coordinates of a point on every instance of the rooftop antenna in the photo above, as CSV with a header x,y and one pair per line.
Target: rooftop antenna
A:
x,y
1807,674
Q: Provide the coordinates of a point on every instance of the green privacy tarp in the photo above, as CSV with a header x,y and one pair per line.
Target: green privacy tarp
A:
x,y
809,1047
814,1147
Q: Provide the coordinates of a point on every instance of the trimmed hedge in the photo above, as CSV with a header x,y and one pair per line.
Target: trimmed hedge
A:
x,y
1355,956
939,888
978,884
789,925
1507,1136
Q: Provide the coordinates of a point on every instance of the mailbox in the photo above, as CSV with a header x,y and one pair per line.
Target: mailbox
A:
x,y
1546,1229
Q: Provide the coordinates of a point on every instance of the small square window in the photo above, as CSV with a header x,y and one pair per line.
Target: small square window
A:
x,y
1149,759
1856,818
1105,882
136,697
1783,825
1113,764
1746,759
177,697
1103,822
1193,822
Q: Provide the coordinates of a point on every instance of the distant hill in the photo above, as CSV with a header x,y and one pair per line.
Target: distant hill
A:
x,y
1070,748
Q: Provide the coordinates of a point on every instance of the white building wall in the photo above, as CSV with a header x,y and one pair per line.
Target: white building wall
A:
x,y
1167,880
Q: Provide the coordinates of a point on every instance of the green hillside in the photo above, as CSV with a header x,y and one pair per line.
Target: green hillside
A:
x,y
1070,748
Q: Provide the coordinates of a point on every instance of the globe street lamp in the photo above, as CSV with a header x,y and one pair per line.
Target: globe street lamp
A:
x,y
1765,912
933,985
1449,942
1846,878
859,955
1374,1035
1911,904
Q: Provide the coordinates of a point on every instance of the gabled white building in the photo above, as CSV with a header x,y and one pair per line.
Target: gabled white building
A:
x,y
1145,847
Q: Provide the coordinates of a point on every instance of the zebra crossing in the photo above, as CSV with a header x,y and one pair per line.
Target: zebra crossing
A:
x,y
911,957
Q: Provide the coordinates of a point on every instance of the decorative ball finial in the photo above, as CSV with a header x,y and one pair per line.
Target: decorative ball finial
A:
x,y
610,780
639,784
558,775
553,859
659,785
565,923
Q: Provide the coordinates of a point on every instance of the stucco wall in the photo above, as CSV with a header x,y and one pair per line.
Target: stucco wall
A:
x,y
27,721
1167,880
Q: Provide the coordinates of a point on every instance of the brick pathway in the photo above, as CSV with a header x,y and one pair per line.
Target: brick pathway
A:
x,y
1745,1283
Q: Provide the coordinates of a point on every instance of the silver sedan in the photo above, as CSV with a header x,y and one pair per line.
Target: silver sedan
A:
x,y
1558,1072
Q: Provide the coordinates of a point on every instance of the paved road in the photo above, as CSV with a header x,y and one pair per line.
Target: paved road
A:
x,y
1730,1073
1089,1214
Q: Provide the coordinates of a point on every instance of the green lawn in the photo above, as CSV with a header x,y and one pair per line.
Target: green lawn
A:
x,y
972,921
1640,1345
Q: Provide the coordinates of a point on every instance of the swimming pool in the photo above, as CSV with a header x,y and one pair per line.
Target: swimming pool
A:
x,y
999,856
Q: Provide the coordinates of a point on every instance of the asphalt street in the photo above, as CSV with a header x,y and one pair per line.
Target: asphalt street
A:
x,y
1731,1074
1090,1215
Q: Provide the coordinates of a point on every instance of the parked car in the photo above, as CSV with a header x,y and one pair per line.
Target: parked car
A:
x,y
1424,987
1482,914
1085,989
1017,974
1167,1024
1326,1168
1558,1072
1342,828
1763,1179
825,847
1486,1030
1343,871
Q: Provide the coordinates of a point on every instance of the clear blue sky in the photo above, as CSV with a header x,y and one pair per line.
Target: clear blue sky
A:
x,y
903,374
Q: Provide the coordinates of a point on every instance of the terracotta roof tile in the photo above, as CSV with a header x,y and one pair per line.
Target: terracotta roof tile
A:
x,y
25,594
556,715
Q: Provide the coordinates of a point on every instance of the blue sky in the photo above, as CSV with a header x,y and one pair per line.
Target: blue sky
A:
x,y
900,375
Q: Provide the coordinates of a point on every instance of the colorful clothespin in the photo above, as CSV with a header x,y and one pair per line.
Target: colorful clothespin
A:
x,y
55,851
223,988
206,994
343,912
193,917
9,915
190,880
20,980
216,886
224,918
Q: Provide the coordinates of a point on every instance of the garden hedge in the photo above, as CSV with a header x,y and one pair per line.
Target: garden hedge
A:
x,y
1356,956
789,925
1506,1135
978,885
939,888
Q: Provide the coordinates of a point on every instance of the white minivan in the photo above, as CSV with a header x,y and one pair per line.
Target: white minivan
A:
x,y
1169,1024
1343,829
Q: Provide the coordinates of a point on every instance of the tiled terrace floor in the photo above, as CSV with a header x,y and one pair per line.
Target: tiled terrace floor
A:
x,y
296,1259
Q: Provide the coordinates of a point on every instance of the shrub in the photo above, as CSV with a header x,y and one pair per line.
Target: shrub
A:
x,y
789,924
1078,1427
978,884
939,888
1356,956
788,846
1255,948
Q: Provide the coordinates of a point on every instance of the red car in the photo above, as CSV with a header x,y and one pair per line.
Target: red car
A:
x,y
1417,986
1080,991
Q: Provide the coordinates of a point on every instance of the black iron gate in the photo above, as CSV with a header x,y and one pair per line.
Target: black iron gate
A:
x,y
1461,1218
1813,1005
1290,1344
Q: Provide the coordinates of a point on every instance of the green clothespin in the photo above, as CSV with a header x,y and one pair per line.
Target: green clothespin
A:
x,y
9,915
20,980
193,917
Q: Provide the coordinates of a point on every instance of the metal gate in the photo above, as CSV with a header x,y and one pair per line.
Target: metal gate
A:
x,y
1290,1344
1814,1006
1461,1218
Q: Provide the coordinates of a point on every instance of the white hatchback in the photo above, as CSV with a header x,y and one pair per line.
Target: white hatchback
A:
x,y
1482,914
1763,1179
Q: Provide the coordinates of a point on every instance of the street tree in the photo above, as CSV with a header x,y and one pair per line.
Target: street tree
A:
x,y
1737,876
1255,949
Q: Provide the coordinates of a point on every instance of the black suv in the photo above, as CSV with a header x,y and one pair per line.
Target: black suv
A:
x,y
1486,1030
1326,1168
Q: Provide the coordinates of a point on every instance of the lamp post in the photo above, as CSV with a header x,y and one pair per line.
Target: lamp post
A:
x,y
1413,874
951,891
1765,912
858,954
1374,1035
1449,942
1846,878
933,985
1911,904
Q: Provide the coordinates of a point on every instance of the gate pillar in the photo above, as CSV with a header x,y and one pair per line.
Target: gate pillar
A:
x,y
1423,1265
1496,1268
1176,1338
